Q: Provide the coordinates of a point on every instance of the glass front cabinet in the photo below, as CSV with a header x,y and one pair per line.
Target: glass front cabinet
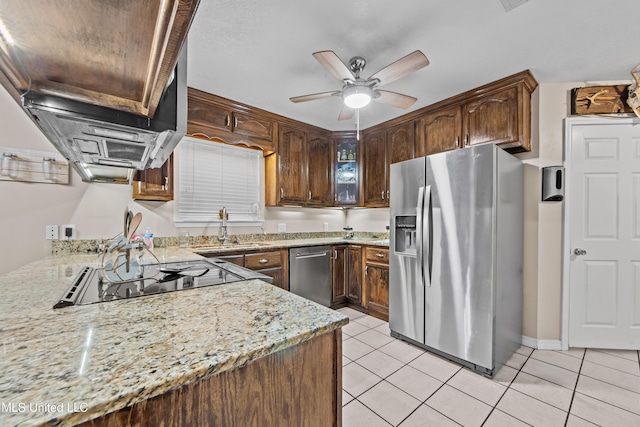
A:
x,y
346,169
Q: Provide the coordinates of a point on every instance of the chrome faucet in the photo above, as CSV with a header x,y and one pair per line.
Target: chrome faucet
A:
x,y
222,234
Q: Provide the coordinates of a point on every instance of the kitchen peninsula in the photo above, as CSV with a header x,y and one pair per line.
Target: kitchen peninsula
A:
x,y
242,353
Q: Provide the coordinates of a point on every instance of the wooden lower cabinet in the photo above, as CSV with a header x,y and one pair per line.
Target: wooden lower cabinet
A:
x,y
354,275
273,263
297,386
338,276
376,282
360,279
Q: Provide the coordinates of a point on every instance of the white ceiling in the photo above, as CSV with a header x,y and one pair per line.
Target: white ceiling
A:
x,y
259,52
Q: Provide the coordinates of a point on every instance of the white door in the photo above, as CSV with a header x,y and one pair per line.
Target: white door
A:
x,y
604,235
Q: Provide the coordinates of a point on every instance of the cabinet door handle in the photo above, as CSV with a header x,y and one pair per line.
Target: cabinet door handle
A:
x,y
226,120
457,141
235,122
263,261
281,192
166,183
335,197
382,194
380,255
335,254
366,271
466,140
309,194
387,194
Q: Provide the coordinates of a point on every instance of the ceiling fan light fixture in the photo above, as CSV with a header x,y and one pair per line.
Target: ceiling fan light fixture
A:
x,y
357,96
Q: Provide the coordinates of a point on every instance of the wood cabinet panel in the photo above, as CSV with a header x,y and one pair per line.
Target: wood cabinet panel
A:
x,y
492,119
339,275
439,131
253,126
262,260
354,273
154,184
227,121
297,386
235,259
319,170
376,254
400,142
208,115
292,165
277,275
273,263
377,289
375,168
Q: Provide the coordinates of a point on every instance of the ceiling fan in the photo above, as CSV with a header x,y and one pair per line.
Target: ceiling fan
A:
x,y
357,92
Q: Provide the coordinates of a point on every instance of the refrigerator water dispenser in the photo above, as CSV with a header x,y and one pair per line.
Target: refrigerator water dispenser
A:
x,y
405,235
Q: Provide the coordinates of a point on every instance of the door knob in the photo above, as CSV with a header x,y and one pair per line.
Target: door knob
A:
x,y
578,251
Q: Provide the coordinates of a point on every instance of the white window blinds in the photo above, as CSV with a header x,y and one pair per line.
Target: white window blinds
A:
x,y
214,175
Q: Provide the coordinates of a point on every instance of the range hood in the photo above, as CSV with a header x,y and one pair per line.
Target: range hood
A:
x,y
109,145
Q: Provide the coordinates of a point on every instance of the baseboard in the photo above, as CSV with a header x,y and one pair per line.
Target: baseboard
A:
x,y
541,344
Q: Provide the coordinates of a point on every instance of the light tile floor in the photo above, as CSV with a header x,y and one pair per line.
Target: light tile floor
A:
x,y
389,382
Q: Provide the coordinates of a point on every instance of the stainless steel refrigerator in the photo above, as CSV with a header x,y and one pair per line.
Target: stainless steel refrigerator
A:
x,y
455,279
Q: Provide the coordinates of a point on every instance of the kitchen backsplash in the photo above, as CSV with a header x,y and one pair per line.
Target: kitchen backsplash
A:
x,y
63,247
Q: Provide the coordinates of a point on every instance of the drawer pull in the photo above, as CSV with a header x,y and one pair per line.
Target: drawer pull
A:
x,y
380,255
263,261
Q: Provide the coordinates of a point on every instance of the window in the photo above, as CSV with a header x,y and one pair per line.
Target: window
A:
x,y
214,175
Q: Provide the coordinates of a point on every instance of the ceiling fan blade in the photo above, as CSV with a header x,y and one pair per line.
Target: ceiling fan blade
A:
x,y
395,99
313,96
329,60
402,67
346,113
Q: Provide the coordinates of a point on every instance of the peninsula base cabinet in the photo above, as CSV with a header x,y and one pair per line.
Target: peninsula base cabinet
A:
x,y
297,386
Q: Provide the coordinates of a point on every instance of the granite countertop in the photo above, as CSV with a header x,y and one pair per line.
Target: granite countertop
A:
x,y
65,366
285,244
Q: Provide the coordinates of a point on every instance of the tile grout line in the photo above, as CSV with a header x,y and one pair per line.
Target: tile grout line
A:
x,y
575,387
507,389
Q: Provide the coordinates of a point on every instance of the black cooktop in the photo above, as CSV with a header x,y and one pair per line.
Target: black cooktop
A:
x,y
91,286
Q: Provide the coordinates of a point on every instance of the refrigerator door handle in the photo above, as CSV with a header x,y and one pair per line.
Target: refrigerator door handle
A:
x,y
419,240
425,237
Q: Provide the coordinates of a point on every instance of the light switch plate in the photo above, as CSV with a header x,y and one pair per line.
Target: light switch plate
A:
x,y
52,232
282,228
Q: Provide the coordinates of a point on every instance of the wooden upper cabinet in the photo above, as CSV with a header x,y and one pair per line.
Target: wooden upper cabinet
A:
x,y
252,125
375,168
154,184
400,142
299,172
439,131
493,118
319,169
347,180
119,54
382,147
215,117
292,165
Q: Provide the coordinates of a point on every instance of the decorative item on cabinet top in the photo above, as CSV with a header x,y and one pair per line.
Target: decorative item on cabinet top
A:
x,y
19,164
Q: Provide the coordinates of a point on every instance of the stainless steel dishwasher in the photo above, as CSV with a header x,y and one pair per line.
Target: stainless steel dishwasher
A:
x,y
309,273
